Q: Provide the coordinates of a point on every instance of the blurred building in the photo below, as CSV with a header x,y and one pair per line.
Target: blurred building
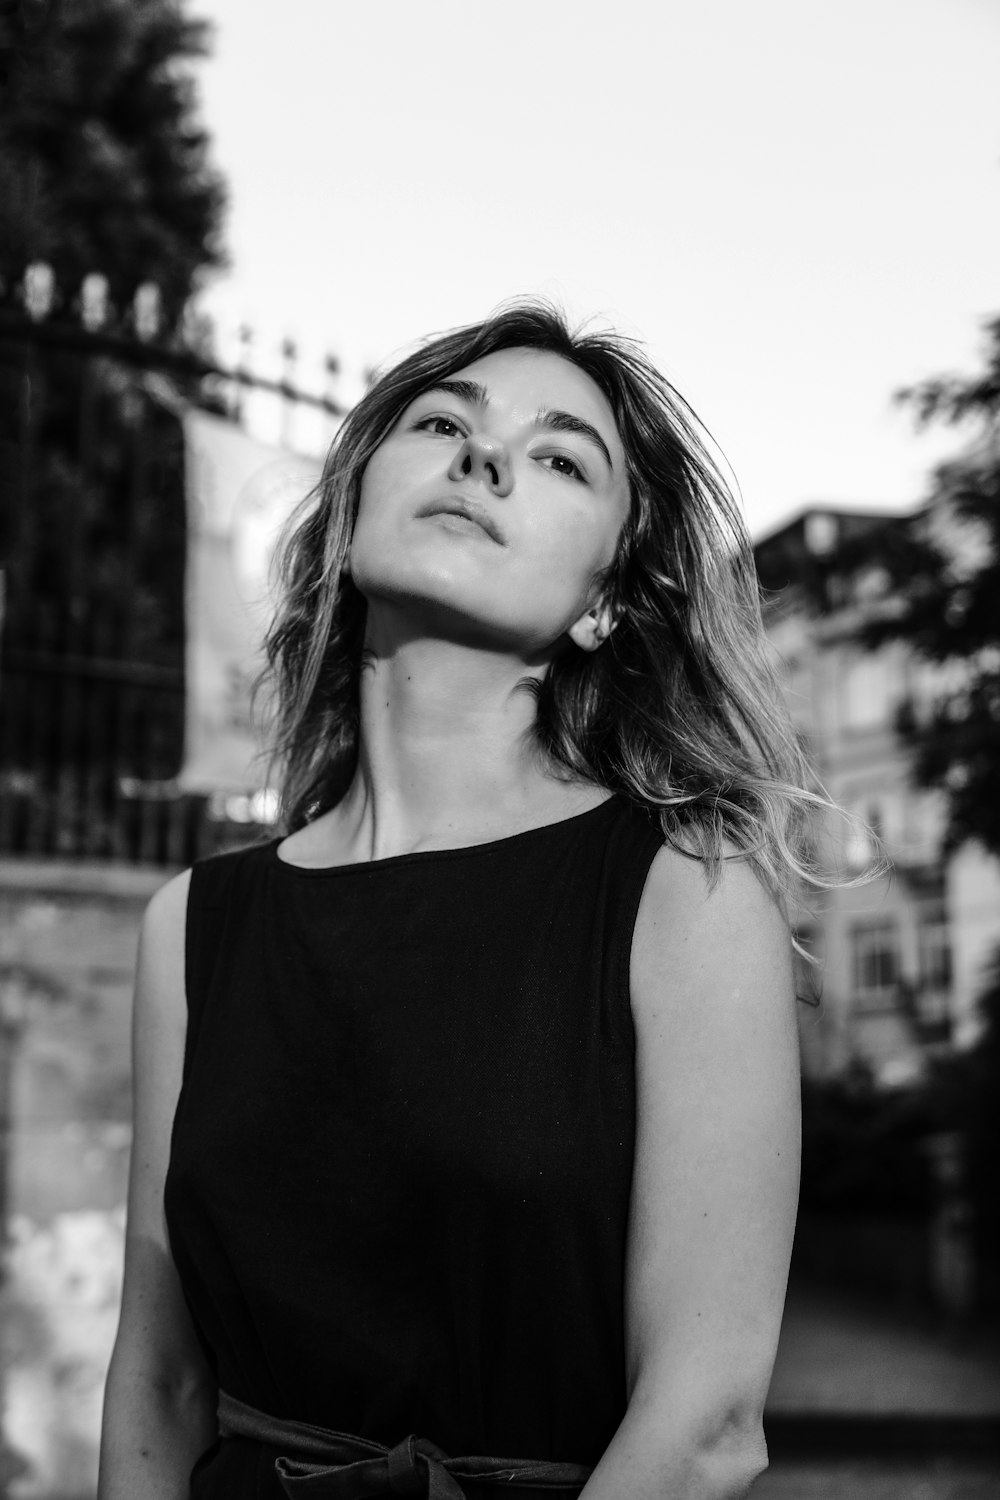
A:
x,y
902,958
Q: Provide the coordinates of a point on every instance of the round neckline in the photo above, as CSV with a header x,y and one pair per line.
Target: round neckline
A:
x,y
423,856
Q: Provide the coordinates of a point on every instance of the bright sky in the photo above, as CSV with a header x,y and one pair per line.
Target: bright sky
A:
x,y
795,204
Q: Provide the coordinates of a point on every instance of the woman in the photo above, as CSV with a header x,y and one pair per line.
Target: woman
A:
x,y
483,1075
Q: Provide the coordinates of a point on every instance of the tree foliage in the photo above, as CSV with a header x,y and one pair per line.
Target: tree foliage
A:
x,y
943,573
104,169
103,163
964,1094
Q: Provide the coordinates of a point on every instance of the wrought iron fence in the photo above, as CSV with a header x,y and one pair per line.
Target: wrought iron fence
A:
x,y
92,551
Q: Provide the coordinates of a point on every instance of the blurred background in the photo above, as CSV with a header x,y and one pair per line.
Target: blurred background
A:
x,y
215,220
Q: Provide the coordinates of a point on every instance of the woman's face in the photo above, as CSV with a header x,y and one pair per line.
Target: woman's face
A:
x,y
493,503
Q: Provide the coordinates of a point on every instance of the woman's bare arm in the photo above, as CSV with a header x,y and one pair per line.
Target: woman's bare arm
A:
x,y
159,1404
715,1185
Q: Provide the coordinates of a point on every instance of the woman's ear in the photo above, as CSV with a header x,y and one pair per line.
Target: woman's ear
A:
x,y
593,628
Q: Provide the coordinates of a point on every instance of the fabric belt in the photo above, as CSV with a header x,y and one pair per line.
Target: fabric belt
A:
x,y
339,1466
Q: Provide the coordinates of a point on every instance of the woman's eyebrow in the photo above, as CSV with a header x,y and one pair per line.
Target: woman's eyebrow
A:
x,y
465,390
564,421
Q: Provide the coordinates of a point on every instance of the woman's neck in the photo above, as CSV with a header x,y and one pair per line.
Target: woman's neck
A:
x,y
447,755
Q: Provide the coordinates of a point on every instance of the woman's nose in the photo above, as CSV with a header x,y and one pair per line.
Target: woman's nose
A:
x,y
486,459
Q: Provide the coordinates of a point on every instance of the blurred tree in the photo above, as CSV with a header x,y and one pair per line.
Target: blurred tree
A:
x,y
103,164
861,1150
942,598
965,1095
943,577
105,179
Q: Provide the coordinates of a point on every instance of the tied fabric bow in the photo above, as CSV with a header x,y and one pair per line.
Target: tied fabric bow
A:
x,y
414,1467
339,1466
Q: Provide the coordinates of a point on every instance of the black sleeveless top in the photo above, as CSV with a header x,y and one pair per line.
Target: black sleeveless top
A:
x,y
401,1159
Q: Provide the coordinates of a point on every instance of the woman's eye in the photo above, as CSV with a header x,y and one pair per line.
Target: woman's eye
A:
x,y
441,426
561,464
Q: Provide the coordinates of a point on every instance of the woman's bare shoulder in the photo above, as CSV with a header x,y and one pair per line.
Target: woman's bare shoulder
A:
x,y
167,909
698,934
681,882
160,968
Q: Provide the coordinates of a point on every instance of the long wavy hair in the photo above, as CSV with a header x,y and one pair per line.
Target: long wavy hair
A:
x,y
679,710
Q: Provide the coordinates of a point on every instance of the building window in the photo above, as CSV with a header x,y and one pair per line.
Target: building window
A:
x,y
875,966
934,957
860,848
820,532
868,693
923,825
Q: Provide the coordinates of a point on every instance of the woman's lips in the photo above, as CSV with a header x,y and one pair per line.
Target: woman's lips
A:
x,y
465,515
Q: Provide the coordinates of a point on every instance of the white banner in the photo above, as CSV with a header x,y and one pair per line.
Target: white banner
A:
x,y
239,493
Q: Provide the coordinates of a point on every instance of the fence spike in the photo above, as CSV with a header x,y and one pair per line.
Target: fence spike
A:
x,y
94,301
146,308
39,290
